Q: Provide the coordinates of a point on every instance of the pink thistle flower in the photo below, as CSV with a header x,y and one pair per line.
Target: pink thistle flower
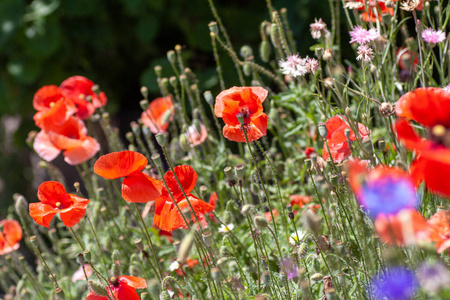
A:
x,y
365,54
317,28
362,36
294,66
432,36
312,65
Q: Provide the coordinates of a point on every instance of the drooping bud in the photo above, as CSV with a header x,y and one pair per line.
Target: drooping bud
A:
x,y
98,288
260,222
275,35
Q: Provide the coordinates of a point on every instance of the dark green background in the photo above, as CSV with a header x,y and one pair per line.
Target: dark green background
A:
x,y
115,43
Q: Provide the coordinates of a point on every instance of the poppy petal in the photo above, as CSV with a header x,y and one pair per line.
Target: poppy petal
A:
x,y
93,296
139,187
158,114
187,177
88,148
51,192
44,147
119,164
133,281
233,133
125,292
46,95
42,213
77,211
435,173
10,237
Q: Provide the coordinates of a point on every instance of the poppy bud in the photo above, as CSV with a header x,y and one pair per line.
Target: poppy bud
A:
x,y
171,56
98,288
260,222
229,173
347,133
34,241
322,127
158,70
222,261
275,35
207,238
87,255
213,28
173,81
161,139
302,250
144,104
246,52
185,247
184,144
215,273
59,294
247,68
264,51
316,277
157,159
246,208
209,97
20,205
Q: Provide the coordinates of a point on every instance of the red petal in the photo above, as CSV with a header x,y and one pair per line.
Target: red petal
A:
x,y
93,296
125,292
42,213
10,237
158,114
187,177
135,282
44,147
85,151
119,164
76,212
435,174
233,133
139,187
46,95
251,95
51,192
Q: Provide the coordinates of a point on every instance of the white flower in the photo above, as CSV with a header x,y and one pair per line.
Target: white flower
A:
x,y
175,265
294,66
225,228
296,237
171,293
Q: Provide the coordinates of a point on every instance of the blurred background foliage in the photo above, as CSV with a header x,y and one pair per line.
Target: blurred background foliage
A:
x,y
115,43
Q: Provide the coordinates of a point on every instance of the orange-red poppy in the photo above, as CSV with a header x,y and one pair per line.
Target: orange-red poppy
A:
x,y
268,216
52,108
439,230
336,139
55,200
245,102
190,263
78,89
309,151
298,201
196,136
10,236
431,108
70,137
369,14
136,186
123,288
405,228
158,114
213,200
167,217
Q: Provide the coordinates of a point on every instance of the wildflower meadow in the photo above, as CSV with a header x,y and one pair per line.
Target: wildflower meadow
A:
x,y
310,174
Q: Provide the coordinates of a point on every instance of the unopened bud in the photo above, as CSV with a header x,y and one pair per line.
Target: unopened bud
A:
x,y
222,261
312,221
260,222
247,69
246,51
98,288
246,208
265,50
21,206
209,97
161,139
275,35
173,81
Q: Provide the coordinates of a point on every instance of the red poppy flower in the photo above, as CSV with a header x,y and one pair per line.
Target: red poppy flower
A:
x,y
55,200
431,108
136,186
196,136
337,141
404,228
167,217
406,59
10,236
245,102
190,263
158,114
439,230
123,288
213,200
70,136
369,15
78,89
53,109
309,151
268,216
298,201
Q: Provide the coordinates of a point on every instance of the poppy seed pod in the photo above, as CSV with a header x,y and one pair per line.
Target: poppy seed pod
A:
x,y
213,27
59,294
322,127
158,70
208,97
260,222
161,139
98,288
80,259
239,171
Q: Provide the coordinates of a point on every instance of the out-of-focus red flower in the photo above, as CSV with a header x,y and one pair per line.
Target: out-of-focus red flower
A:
x,y
405,228
406,59
167,217
55,200
10,236
213,200
136,186
431,108
158,114
245,102
309,151
123,288
298,201
190,263
439,230
196,136
70,137
336,139
52,108
78,89
314,207
369,14
269,216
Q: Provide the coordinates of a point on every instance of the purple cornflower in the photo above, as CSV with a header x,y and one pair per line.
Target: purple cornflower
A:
x,y
433,277
290,267
365,54
432,36
362,36
294,66
388,194
317,28
396,283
